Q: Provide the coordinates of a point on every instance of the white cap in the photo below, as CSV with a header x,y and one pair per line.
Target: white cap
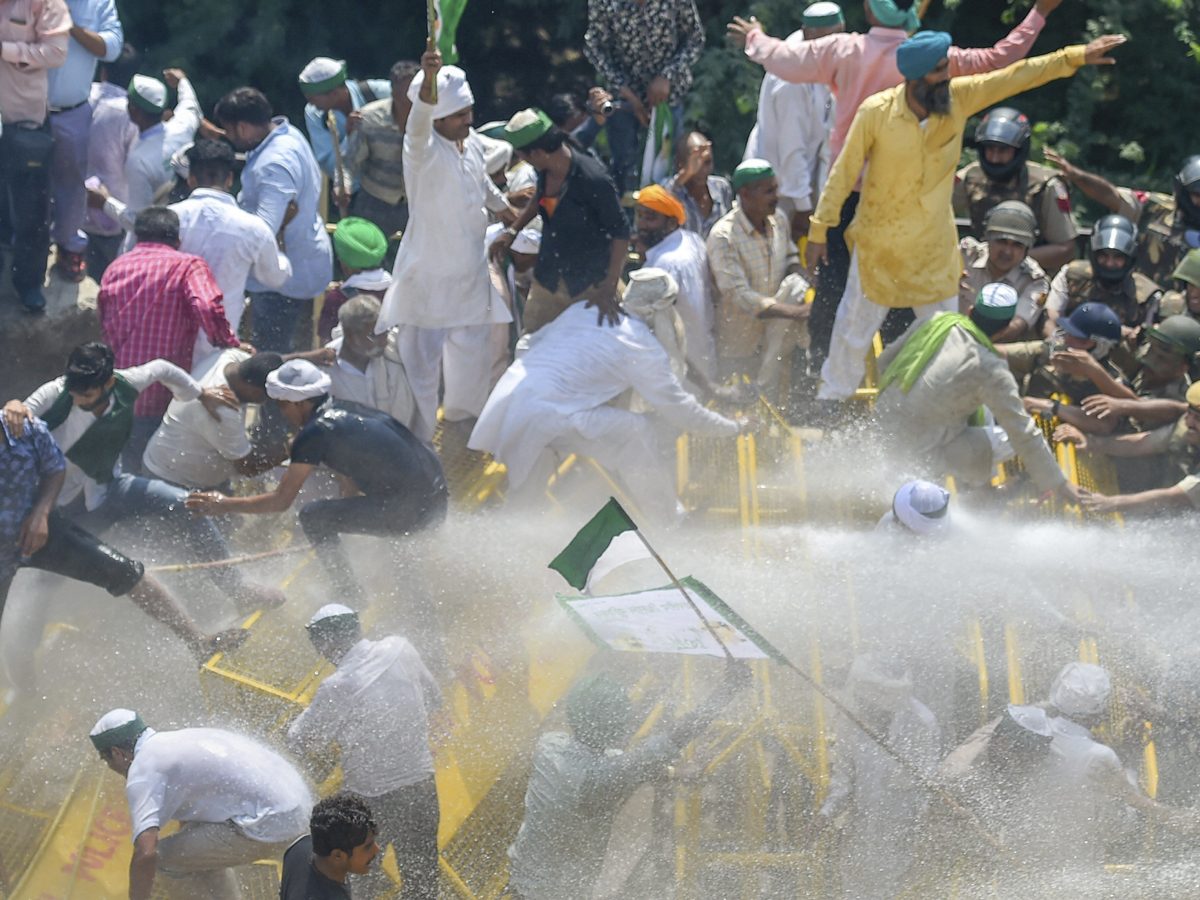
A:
x,y
922,507
322,69
453,91
114,718
528,239
148,93
1081,689
649,289
297,379
330,611
496,154
1031,718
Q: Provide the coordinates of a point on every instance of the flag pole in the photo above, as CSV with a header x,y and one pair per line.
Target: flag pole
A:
x,y
432,20
686,596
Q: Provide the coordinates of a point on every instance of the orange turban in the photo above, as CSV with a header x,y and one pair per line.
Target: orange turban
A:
x,y
661,200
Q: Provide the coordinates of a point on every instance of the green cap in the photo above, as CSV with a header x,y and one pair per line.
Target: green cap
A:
x,y
997,301
116,727
358,243
322,75
526,127
148,94
1189,268
750,171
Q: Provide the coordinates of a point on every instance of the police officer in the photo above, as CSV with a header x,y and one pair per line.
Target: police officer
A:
x,y
1165,359
1003,172
1168,225
1184,299
1074,363
1106,277
1010,230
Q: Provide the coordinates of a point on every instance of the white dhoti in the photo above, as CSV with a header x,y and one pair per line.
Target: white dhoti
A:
x,y
858,318
462,356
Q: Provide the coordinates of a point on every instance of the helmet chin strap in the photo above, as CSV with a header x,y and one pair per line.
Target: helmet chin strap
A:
x,y
1103,347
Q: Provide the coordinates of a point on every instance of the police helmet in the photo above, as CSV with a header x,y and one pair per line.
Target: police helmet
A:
x,y
1011,220
1113,233
1186,181
1180,334
1094,322
1004,127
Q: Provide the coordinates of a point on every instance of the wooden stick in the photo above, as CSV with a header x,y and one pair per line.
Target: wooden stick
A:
x,y
338,168
432,19
232,561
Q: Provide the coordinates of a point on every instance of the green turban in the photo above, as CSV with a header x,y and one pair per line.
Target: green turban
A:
x,y
750,171
358,243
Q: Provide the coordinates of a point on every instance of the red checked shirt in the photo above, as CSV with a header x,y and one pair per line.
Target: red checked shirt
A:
x,y
153,300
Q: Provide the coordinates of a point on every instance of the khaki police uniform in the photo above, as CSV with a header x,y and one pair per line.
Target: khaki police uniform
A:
x,y
1134,300
1027,278
1162,233
1030,363
1038,187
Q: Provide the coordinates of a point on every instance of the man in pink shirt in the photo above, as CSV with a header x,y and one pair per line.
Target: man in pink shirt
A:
x,y
855,66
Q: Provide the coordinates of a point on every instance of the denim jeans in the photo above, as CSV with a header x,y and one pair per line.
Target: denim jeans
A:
x,y
275,321
153,504
25,209
625,142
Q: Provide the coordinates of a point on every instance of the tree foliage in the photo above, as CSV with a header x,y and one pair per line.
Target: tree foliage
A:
x,y
1131,122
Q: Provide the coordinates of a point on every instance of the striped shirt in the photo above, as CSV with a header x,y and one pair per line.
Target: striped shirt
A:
x,y
375,153
748,268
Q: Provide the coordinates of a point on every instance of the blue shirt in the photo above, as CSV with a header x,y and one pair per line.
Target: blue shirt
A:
x,y
280,169
71,83
318,133
24,464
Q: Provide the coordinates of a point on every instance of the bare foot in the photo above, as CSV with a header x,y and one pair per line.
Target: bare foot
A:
x,y
222,642
254,596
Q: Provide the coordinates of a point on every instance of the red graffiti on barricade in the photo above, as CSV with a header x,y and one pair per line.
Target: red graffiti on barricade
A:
x,y
109,830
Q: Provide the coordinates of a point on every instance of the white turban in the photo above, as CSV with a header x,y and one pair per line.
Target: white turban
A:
x,y
297,379
1081,689
496,154
880,681
330,611
651,297
528,239
922,507
454,94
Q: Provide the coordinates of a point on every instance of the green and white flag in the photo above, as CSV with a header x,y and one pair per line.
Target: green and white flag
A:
x,y
609,540
446,14
661,621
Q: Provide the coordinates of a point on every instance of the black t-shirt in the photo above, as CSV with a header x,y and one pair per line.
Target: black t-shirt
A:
x,y
301,881
381,455
587,216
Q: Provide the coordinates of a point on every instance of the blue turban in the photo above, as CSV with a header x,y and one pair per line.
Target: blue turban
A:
x,y
920,54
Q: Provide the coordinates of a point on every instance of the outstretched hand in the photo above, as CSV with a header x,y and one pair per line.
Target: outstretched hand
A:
x,y
1096,50
739,30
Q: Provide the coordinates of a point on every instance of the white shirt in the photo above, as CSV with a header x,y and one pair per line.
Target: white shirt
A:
x,y
573,366
682,253
376,707
190,447
792,134
110,139
211,775
383,385
159,371
441,279
148,166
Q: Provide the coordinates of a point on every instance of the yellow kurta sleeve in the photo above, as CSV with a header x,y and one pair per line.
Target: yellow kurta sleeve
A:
x,y
975,93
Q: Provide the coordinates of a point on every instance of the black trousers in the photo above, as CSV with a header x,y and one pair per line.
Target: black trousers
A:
x,y
407,818
831,284
26,213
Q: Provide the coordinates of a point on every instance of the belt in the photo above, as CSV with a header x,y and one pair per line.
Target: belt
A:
x,y
63,109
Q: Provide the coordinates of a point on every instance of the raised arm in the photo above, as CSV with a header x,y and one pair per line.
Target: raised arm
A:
x,y
796,60
1094,187
1012,47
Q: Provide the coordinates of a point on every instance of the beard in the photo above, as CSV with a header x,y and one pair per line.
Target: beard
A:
x,y
935,98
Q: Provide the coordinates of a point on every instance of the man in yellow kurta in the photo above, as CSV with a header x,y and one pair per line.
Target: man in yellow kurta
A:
x,y
903,241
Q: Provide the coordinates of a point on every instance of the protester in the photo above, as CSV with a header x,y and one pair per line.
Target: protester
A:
x,y
682,254
911,165
761,311
918,507
281,184
583,121
645,53
441,291
579,782
376,706
705,197
375,155
855,66
236,801
341,842
512,277
327,89
1009,230
400,482
793,126
581,212
96,33
1003,173
368,368
937,375
153,302
360,248
557,395
36,40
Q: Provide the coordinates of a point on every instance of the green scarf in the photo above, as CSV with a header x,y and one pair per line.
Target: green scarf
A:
x,y
915,355
98,449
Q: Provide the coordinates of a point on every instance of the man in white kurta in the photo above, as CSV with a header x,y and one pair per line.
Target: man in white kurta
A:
x,y
441,291
794,123
556,396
